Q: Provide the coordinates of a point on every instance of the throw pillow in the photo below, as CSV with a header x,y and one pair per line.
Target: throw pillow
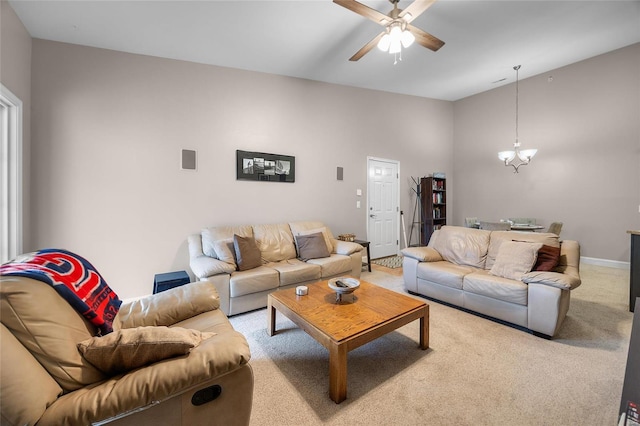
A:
x,y
515,259
325,235
130,348
225,250
247,252
548,258
312,246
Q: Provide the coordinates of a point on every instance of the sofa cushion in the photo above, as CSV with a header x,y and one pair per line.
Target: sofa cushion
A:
x,y
335,264
20,405
294,271
312,246
247,253
515,259
443,273
253,281
498,237
131,348
346,247
225,251
50,334
508,290
168,307
213,234
275,242
548,258
463,246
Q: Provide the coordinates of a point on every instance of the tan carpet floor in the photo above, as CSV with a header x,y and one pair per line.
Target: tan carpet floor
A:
x,y
476,371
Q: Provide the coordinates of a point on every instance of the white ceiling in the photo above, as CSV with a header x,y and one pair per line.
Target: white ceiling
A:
x,y
314,39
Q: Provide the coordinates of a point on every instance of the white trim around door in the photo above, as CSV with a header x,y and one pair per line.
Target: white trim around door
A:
x,y
11,178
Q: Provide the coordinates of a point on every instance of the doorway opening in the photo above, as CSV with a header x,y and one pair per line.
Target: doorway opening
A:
x,y
383,207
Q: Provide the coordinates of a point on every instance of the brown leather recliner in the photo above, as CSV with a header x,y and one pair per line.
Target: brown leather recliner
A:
x,y
46,381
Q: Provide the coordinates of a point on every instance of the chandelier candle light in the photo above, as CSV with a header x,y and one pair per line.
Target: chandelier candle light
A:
x,y
517,157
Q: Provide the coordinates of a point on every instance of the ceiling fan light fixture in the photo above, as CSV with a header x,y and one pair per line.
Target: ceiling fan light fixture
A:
x,y
384,42
398,31
407,38
395,47
395,32
396,44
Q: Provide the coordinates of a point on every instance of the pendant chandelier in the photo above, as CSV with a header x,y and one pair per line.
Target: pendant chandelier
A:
x,y
517,157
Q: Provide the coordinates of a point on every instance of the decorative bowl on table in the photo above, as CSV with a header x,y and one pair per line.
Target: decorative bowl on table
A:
x,y
343,285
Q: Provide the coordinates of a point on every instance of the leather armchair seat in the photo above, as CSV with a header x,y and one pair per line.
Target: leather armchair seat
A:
x,y
45,380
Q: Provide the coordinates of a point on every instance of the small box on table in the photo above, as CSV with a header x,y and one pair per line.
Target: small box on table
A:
x,y
169,280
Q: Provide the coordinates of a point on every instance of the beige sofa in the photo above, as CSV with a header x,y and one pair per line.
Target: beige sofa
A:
x,y
490,272
242,291
46,381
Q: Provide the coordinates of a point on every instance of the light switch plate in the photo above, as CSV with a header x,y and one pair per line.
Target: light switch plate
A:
x,y
358,204
359,192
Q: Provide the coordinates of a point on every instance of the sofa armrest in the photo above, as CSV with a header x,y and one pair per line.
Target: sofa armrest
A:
x,y
346,247
205,266
554,279
209,362
422,254
168,307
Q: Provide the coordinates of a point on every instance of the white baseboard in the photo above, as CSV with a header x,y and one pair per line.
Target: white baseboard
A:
x,y
605,262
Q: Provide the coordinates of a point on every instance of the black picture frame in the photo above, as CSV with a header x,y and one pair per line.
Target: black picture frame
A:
x,y
265,167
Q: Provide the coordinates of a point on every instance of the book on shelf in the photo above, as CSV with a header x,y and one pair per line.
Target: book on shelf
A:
x,y
438,198
437,185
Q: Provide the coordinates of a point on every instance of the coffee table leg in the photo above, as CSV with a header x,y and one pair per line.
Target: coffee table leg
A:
x,y
424,329
271,318
338,373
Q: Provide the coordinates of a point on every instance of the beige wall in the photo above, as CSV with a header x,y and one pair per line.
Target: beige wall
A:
x,y
109,126
15,75
586,126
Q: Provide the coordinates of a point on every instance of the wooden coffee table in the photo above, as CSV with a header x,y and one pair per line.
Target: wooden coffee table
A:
x,y
368,313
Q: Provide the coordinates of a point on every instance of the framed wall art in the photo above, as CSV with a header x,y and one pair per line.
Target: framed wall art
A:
x,y
265,167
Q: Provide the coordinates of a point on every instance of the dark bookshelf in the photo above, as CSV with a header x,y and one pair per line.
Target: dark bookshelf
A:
x,y
433,194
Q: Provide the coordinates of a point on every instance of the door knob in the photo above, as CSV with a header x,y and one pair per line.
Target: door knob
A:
x,y
372,216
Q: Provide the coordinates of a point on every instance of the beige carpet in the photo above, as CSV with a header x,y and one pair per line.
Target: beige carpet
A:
x,y
476,372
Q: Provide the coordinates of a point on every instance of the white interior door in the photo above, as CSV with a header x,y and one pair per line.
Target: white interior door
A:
x,y
383,207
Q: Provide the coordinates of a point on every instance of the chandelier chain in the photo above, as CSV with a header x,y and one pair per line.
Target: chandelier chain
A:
x,y
517,68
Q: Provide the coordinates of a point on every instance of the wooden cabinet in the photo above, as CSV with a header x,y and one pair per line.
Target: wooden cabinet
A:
x,y
630,389
433,198
634,278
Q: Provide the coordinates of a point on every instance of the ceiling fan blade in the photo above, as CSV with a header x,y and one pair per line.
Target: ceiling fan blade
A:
x,y
367,47
415,9
366,11
425,39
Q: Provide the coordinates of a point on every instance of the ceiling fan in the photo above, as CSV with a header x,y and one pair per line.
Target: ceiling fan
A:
x,y
398,29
